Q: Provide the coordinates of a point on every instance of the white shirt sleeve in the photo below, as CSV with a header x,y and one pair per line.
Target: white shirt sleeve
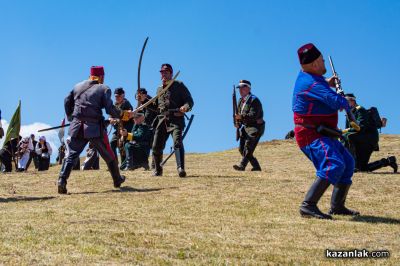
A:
x,y
49,148
37,149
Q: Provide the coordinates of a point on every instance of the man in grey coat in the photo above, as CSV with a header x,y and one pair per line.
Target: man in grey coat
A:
x,y
83,107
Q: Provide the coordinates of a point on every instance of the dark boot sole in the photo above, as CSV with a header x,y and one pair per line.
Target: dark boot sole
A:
x,y
238,168
157,174
62,190
182,174
317,216
118,185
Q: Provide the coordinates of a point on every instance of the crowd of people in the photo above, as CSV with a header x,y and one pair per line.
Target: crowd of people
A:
x,y
22,151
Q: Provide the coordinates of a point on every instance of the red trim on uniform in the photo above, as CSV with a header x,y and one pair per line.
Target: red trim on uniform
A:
x,y
326,157
108,147
310,108
309,88
305,95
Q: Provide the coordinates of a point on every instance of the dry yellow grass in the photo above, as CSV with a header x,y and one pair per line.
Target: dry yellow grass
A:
x,y
216,216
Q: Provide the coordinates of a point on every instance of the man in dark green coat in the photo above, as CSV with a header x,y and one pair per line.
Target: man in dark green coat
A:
x,y
150,112
172,107
123,104
137,146
250,119
362,143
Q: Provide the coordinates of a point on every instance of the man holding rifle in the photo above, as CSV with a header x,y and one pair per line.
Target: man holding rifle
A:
x,y
249,120
315,106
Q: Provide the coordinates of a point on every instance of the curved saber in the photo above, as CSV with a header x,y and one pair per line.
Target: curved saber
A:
x,y
140,67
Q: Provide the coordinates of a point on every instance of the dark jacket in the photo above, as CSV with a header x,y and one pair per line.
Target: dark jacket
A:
x,y
252,115
367,130
84,109
141,135
125,105
150,112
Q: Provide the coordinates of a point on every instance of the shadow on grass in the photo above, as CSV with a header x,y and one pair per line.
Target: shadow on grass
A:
x,y
216,176
375,219
132,189
125,189
21,198
383,173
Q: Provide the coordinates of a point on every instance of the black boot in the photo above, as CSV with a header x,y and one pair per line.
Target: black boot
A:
x,y
378,164
62,185
145,165
153,165
180,161
256,165
158,170
338,200
116,176
64,174
309,206
393,163
242,165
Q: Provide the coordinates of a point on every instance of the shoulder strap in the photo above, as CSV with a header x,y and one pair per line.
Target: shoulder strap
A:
x,y
76,96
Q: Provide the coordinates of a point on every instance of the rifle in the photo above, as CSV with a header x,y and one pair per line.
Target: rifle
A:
x,y
339,90
235,112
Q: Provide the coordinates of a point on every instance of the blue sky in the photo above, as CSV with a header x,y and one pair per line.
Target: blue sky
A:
x,y
48,46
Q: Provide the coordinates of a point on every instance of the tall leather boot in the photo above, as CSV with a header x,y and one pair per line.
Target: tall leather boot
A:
x,y
256,165
128,163
180,161
158,170
64,174
389,161
338,200
309,207
242,165
116,176
377,165
393,163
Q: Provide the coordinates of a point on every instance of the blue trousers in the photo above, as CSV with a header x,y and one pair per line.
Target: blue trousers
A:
x,y
331,160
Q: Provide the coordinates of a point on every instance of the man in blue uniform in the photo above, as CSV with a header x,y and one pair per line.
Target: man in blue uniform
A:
x,y
83,107
314,105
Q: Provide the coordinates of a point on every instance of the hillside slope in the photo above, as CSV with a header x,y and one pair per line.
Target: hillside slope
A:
x,y
216,216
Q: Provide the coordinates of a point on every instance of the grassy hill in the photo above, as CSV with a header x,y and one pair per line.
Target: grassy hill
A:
x,y
215,216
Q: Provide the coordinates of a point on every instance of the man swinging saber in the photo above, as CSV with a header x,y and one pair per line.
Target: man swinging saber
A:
x,y
87,124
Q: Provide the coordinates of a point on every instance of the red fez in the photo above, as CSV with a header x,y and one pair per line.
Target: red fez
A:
x,y
97,71
308,53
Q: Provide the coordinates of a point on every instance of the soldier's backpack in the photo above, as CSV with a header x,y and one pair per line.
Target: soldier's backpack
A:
x,y
374,117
